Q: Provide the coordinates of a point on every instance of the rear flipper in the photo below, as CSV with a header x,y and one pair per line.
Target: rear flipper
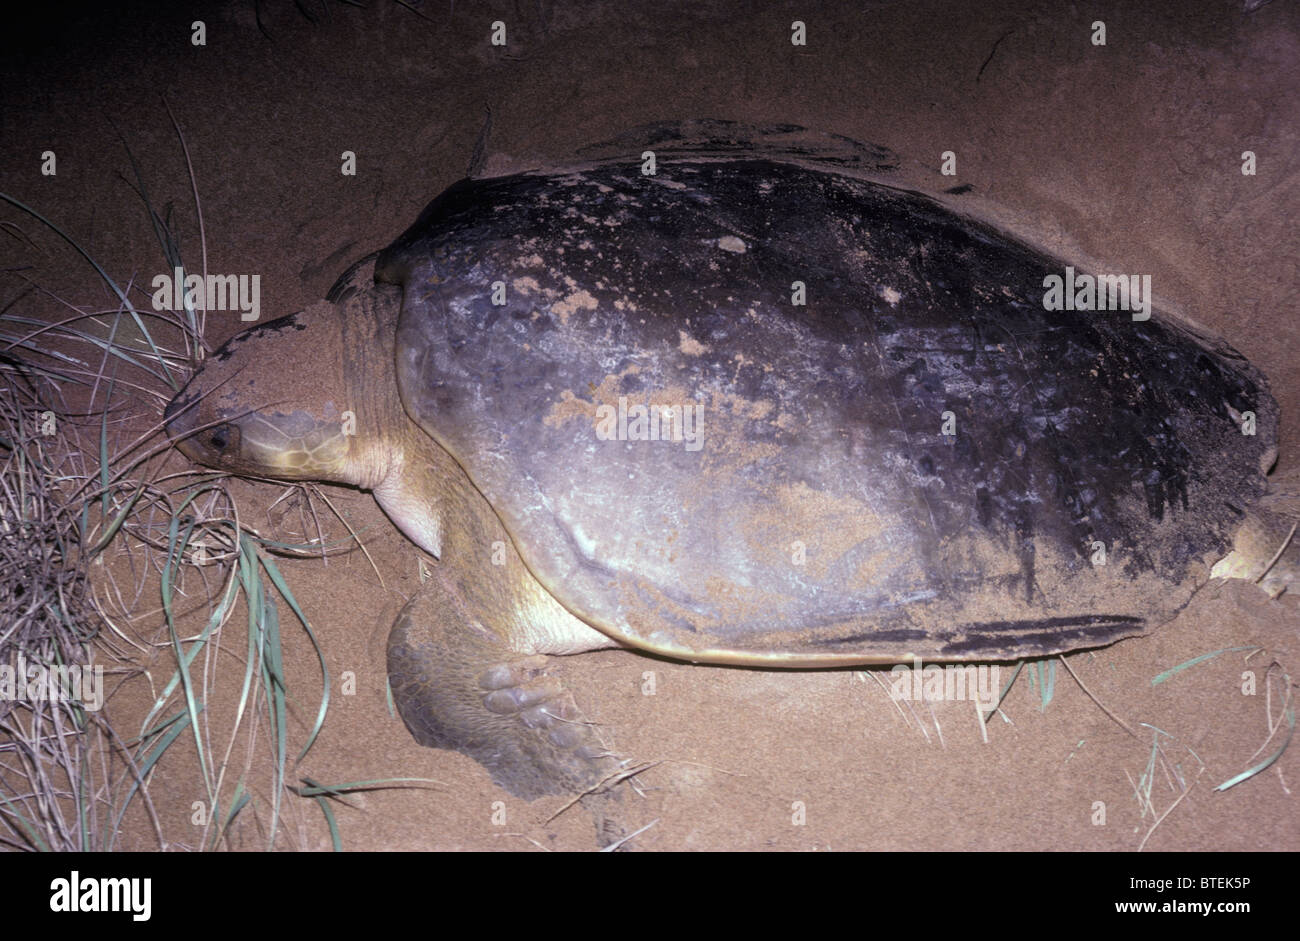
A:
x,y
1269,529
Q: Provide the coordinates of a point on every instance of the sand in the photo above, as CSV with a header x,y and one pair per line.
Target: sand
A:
x,y
1123,157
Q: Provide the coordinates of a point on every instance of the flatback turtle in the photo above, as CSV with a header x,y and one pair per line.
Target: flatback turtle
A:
x,y
753,407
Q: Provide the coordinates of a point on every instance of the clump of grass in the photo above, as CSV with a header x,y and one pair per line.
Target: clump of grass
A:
x,y
92,528
46,624
43,594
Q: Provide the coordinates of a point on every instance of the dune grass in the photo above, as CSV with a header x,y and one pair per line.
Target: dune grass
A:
x,y
94,530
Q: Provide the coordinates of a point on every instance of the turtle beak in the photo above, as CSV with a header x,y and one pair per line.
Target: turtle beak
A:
x,y
175,419
179,420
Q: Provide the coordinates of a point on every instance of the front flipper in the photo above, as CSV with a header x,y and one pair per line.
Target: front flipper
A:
x,y
460,684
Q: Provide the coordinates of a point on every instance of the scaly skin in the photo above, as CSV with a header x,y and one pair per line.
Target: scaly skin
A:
x,y
466,656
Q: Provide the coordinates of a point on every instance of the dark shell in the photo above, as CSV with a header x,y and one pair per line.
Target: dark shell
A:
x,y
826,516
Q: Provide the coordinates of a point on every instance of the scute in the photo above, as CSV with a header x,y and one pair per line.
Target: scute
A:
x,y
1097,467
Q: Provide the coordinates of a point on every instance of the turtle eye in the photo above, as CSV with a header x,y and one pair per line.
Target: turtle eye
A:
x,y
221,437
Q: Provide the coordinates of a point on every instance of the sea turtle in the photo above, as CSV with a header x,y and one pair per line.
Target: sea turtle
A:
x,y
752,407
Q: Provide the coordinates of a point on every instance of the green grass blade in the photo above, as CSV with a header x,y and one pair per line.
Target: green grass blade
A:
x,y
1173,671
273,572
1256,769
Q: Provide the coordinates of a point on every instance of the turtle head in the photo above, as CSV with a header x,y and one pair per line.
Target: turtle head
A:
x,y
273,402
